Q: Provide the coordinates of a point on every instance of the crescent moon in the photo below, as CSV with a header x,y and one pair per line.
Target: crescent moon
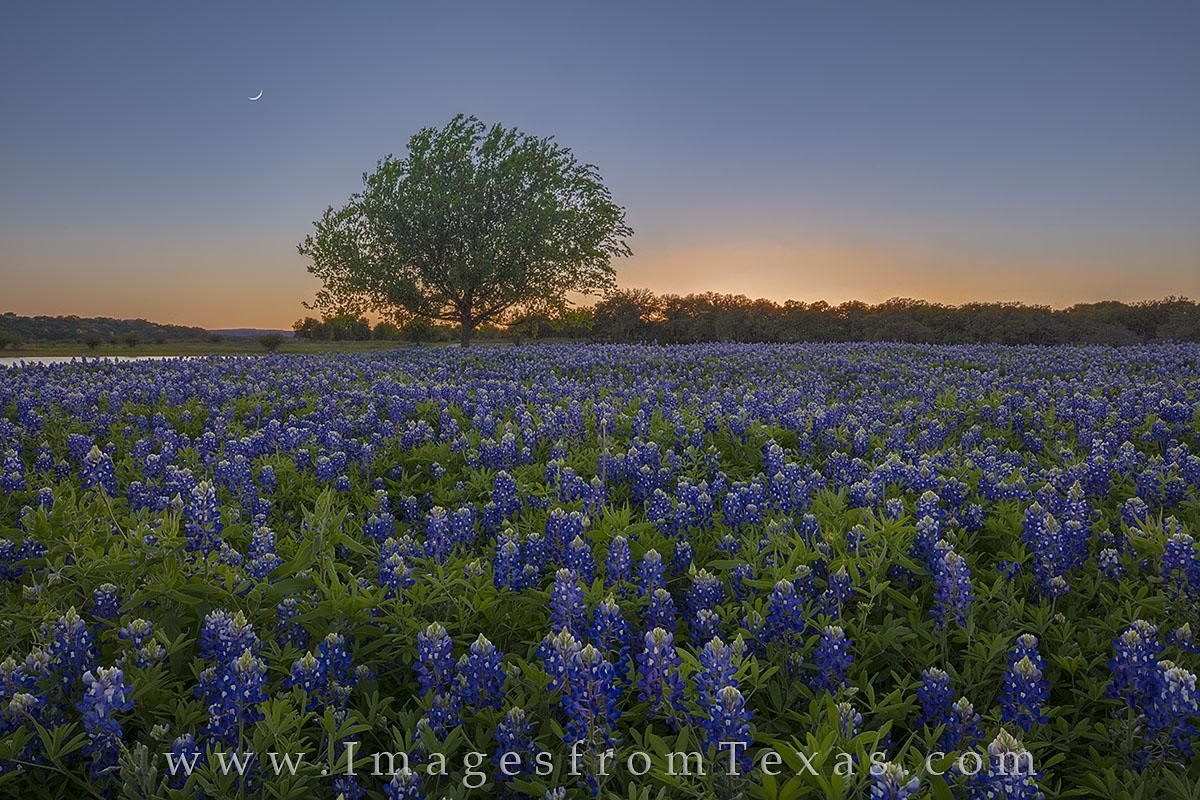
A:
x,y
257,96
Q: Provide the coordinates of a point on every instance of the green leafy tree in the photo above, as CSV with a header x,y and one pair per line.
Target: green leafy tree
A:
x,y
473,223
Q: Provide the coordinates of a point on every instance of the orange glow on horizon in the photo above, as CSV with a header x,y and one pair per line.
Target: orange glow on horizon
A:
x,y
210,289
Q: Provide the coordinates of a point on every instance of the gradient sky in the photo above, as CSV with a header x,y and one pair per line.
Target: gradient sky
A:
x,y
1046,152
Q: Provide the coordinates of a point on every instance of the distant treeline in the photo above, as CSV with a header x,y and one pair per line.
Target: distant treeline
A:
x,y
636,315
91,331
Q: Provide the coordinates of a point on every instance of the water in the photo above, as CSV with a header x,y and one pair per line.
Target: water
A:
x,y
13,362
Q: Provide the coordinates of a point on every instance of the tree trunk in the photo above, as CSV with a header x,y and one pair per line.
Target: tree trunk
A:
x,y
467,326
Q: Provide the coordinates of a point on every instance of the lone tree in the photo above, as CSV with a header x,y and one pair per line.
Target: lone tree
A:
x,y
473,223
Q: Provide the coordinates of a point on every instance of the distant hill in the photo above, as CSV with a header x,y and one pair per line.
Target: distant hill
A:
x,y
245,333
16,329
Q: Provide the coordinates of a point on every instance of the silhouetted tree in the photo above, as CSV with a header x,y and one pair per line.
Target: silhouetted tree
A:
x,y
473,222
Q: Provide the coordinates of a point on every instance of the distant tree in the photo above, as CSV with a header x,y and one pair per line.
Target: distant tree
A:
x,y
344,326
271,341
626,315
419,330
348,326
310,328
386,331
92,340
213,338
130,340
473,222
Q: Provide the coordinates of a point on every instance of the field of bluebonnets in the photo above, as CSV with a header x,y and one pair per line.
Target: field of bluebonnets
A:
x,y
901,565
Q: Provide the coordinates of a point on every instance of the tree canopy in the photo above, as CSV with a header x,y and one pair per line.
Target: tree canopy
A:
x,y
473,223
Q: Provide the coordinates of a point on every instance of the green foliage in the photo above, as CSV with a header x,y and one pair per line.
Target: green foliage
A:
x,y
473,222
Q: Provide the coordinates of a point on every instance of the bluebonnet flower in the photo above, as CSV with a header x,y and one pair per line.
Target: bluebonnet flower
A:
x,y
1009,569
233,692
514,734
1010,772
480,676
717,670
347,787
505,495
707,592
563,527
1172,710
952,586
611,633
106,601
661,612
394,574
435,659
704,625
1184,638
44,462
137,632
1024,694
335,664
928,532
1044,537
462,527
306,674
849,719
659,682
1136,652
617,563
203,527
404,785
1135,512
507,562
266,478
557,652
224,636
935,696
12,473
578,558
728,725
964,727
23,710
567,610
1180,564
104,696
651,573
380,526
1110,564
439,537
288,628
445,713
890,781
99,472
837,593
263,559
184,758
683,557
831,660
784,612
737,580
590,699
70,648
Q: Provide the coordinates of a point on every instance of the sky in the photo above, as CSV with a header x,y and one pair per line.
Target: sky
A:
x,y
1045,152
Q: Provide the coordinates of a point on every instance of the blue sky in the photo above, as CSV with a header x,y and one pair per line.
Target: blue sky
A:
x,y
1045,152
